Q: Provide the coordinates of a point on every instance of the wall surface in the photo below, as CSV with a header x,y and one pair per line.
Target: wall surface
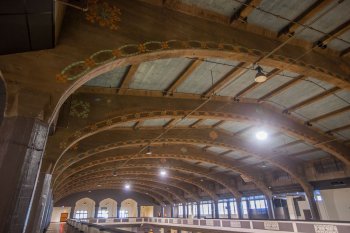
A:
x,y
335,204
57,211
146,211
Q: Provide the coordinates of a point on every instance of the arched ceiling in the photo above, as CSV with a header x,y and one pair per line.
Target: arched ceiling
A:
x,y
154,83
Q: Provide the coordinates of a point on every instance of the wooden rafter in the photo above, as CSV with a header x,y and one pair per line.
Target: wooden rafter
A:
x,y
228,77
282,88
289,144
137,124
309,13
345,52
217,124
339,129
225,152
341,29
303,152
195,124
129,75
183,76
330,114
256,84
313,99
242,13
170,123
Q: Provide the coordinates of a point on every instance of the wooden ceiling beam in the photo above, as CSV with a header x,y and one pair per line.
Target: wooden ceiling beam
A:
x,y
345,52
288,144
129,75
217,124
244,11
170,123
330,114
254,85
195,124
303,152
341,29
345,127
301,19
233,74
282,88
313,99
183,76
137,125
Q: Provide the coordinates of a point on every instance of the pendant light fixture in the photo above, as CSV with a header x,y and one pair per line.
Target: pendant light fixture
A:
x,y
260,77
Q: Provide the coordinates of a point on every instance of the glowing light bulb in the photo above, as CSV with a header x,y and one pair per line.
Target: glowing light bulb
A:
x,y
261,135
127,186
163,172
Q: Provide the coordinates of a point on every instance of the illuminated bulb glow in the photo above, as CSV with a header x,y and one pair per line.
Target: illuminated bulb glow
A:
x,y
127,186
163,173
261,135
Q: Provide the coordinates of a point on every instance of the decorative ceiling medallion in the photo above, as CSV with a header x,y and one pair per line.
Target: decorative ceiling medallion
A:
x,y
79,109
103,14
213,135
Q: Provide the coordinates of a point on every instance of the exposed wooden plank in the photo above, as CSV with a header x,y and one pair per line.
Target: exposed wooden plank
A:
x,y
345,52
225,152
254,85
339,129
303,152
330,114
137,125
228,77
129,75
288,144
341,29
195,124
217,124
183,76
309,13
242,13
170,123
312,99
282,88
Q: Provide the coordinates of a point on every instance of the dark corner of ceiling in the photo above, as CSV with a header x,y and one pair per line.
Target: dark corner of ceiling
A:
x,y
26,25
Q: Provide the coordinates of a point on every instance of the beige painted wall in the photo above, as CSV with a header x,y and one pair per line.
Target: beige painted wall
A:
x,y
146,211
111,207
86,204
131,206
335,204
56,213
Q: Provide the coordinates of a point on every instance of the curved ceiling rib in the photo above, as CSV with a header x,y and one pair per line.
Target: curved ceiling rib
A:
x,y
173,152
167,193
136,189
176,176
184,168
237,111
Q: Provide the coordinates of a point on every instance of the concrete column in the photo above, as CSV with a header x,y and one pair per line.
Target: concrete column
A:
x,y
37,212
313,206
118,210
138,211
198,210
22,142
248,209
184,210
216,209
96,211
172,211
239,208
71,216
270,208
187,211
229,215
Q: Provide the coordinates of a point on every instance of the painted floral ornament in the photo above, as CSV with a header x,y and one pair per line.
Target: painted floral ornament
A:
x,y
103,14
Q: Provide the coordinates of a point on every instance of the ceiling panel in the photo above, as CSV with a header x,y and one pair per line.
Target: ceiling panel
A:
x,y
271,84
207,74
327,22
233,126
158,74
108,79
155,122
285,9
242,82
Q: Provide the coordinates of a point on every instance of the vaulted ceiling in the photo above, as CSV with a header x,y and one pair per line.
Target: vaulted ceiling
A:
x,y
194,104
